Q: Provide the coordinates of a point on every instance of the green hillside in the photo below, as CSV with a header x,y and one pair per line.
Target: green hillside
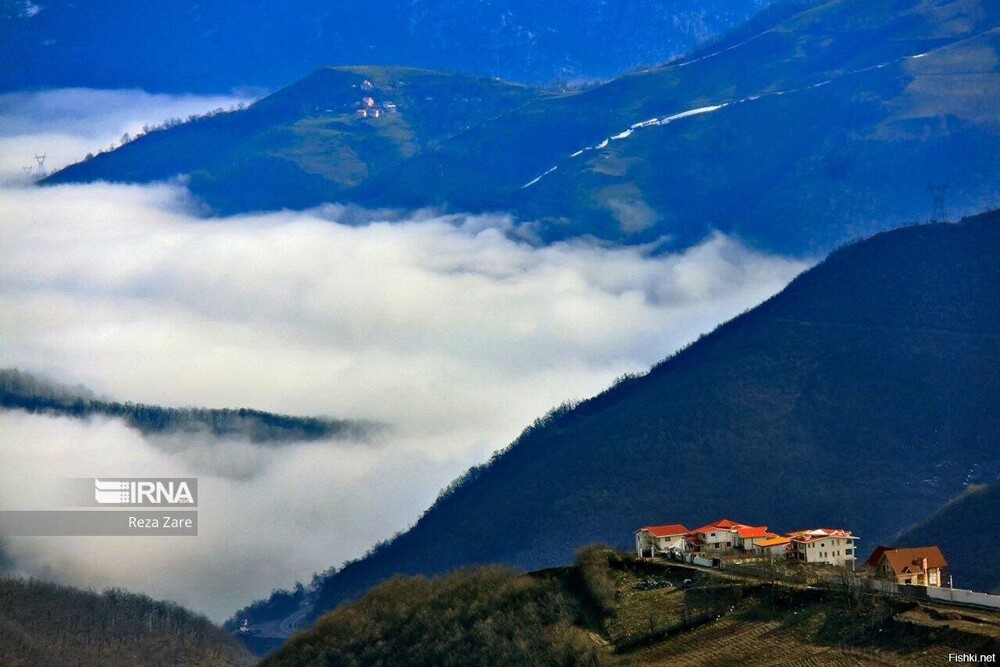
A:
x,y
305,144
47,624
831,130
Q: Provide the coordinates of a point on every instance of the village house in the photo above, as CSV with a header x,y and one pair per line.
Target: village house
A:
x,y
724,535
823,545
747,537
655,540
772,547
921,566
826,546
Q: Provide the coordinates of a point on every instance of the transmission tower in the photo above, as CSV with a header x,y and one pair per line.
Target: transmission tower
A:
x,y
40,159
939,199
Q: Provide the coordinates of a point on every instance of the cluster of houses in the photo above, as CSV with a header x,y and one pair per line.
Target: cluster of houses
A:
x,y
924,566
369,108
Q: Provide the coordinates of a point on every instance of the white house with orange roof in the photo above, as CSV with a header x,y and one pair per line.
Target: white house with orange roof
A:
x,y
772,547
823,545
747,537
724,535
654,540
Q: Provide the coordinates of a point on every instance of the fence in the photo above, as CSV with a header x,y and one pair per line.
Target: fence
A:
x,y
949,595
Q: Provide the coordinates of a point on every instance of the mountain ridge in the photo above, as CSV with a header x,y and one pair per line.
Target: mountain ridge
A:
x,y
830,121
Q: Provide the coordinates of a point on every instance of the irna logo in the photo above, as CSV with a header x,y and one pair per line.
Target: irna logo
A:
x,y
145,492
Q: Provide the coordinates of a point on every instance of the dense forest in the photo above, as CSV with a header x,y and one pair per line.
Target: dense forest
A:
x,y
23,391
489,616
47,624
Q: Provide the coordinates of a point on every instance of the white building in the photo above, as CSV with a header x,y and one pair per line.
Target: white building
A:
x,y
655,540
823,545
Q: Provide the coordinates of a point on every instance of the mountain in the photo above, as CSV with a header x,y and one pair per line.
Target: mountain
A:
x,y
814,123
306,143
23,391
964,529
863,396
48,624
205,46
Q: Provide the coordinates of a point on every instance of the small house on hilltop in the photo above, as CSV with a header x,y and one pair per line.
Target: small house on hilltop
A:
x,y
921,566
653,540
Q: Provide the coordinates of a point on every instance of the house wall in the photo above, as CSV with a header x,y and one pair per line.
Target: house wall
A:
x,y
668,543
718,541
830,550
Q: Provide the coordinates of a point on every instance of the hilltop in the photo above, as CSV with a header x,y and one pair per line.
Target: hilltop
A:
x,y
613,610
863,396
812,124
48,624
307,144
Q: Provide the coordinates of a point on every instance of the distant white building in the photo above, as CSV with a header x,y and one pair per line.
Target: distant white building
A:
x,y
656,540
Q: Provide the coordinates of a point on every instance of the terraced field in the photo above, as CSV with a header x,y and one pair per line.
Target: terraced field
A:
x,y
659,619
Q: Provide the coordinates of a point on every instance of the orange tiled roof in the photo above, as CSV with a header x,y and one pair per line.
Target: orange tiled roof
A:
x,y
721,524
773,542
750,532
666,531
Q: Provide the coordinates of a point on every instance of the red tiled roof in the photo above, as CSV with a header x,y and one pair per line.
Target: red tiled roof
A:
x,y
820,534
911,560
722,524
666,531
749,532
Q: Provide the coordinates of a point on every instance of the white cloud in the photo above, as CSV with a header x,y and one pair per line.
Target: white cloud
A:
x,y
442,327
65,124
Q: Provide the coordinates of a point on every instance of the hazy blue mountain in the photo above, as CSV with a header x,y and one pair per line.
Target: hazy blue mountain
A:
x,y
213,46
864,396
816,123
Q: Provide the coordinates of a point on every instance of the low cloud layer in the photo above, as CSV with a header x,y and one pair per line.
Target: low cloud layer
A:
x,y
441,327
